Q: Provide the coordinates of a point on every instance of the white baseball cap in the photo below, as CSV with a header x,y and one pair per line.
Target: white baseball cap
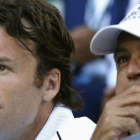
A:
x,y
105,40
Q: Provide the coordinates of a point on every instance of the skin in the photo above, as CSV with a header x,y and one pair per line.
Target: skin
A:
x,y
82,36
122,113
24,108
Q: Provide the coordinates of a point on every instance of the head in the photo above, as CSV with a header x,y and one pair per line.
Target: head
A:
x,y
127,58
124,41
35,50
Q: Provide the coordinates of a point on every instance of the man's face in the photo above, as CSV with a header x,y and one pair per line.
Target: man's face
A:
x,y
19,97
127,57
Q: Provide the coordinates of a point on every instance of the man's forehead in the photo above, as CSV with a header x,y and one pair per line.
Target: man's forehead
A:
x,y
123,38
9,44
26,43
126,36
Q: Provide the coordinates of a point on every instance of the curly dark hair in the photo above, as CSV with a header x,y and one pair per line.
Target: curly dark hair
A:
x,y
54,43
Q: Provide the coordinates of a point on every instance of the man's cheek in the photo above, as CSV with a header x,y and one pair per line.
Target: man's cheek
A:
x,y
122,84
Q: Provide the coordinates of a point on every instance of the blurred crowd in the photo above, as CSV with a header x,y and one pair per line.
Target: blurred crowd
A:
x,y
95,77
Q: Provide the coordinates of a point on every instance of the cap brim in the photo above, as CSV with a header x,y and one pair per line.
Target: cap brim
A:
x,y
105,41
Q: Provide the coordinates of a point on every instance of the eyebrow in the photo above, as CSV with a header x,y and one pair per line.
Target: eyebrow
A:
x,y
119,50
6,59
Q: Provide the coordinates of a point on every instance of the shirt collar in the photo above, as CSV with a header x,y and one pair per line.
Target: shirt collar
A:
x,y
59,116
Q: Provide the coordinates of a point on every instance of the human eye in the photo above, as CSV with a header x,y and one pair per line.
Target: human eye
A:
x,y
121,60
3,68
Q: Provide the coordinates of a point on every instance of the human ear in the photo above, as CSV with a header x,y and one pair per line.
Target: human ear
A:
x,y
51,84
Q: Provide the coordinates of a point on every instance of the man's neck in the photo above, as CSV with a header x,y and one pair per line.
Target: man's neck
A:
x,y
32,130
40,120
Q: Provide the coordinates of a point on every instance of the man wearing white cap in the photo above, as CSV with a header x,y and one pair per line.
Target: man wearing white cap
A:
x,y
121,115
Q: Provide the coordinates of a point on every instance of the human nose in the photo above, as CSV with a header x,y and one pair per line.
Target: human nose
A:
x,y
133,69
